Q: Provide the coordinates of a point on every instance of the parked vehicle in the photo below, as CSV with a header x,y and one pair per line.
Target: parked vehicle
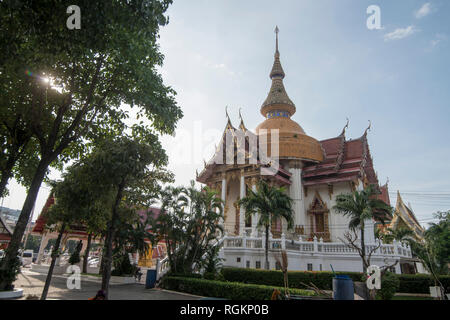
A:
x,y
27,257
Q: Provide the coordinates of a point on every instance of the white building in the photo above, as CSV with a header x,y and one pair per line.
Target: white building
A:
x,y
314,173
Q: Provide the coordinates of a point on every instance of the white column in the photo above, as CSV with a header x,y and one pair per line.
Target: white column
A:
x,y
223,197
44,242
369,234
255,217
296,193
242,210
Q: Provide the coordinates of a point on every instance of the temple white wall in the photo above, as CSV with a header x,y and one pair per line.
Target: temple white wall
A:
x,y
233,192
303,262
337,223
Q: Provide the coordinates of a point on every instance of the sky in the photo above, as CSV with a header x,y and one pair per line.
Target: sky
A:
x,y
220,53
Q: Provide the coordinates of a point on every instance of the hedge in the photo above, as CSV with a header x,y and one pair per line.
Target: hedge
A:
x,y
409,283
420,283
227,290
322,279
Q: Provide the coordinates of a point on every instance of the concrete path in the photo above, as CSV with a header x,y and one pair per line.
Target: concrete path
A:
x,y
33,283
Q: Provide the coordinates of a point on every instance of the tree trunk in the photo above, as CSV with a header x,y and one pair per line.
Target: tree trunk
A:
x,y
52,264
266,266
22,222
86,253
107,256
363,249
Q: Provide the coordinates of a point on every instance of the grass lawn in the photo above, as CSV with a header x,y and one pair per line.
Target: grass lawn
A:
x,y
411,298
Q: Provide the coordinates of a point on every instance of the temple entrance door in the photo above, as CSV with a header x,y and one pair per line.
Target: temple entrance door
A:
x,y
319,222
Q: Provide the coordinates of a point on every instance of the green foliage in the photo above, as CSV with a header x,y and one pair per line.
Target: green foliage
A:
x,y
360,206
437,236
390,284
33,243
419,283
122,266
322,279
189,223
92,73
403,235
212,264
227,290
11,274
272,204
75,256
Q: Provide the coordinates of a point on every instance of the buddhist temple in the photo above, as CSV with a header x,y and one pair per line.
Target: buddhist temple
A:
x,y
313,172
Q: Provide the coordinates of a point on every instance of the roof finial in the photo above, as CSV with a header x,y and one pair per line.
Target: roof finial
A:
x,y
387,181
346,127
368,128
276,32
242,125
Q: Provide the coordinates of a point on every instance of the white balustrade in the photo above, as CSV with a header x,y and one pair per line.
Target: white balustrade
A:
x,y
318,246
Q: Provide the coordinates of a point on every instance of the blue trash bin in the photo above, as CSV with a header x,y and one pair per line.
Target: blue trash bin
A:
x,y
150,280
343,288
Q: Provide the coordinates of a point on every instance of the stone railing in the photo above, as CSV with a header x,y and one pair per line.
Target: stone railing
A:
x,y
315,246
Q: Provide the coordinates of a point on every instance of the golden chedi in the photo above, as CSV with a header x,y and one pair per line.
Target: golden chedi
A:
x,y
278,109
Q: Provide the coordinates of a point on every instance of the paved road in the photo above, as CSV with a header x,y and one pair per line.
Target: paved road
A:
x,y
33,283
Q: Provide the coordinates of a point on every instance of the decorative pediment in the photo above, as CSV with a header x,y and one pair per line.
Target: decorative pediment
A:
x,y
318,205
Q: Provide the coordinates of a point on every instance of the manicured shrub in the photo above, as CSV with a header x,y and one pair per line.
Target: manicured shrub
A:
x,y
419,283
389,286
415,283
322,279
227,290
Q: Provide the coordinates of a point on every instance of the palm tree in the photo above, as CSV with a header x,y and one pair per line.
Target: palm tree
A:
x,y
401,234
272,203
360,206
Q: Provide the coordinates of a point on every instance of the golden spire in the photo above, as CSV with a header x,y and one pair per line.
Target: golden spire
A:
x,y
277,95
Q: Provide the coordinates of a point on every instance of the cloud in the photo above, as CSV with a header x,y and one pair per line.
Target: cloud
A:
x,y
423,11
400,33
438,39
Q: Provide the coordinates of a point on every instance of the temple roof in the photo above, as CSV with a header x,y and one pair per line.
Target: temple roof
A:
x,y
5,230
345,160
79,229
404,214
245,137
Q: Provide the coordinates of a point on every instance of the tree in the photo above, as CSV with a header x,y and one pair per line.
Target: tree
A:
x,y
78,202
73,83
434,252
360,206
120,166
131,237
75,256
271,203
189,224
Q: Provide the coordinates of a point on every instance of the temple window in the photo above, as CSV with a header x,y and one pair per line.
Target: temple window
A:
x,y
318,213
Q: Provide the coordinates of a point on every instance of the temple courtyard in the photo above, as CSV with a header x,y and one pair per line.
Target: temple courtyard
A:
x,y
32,283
